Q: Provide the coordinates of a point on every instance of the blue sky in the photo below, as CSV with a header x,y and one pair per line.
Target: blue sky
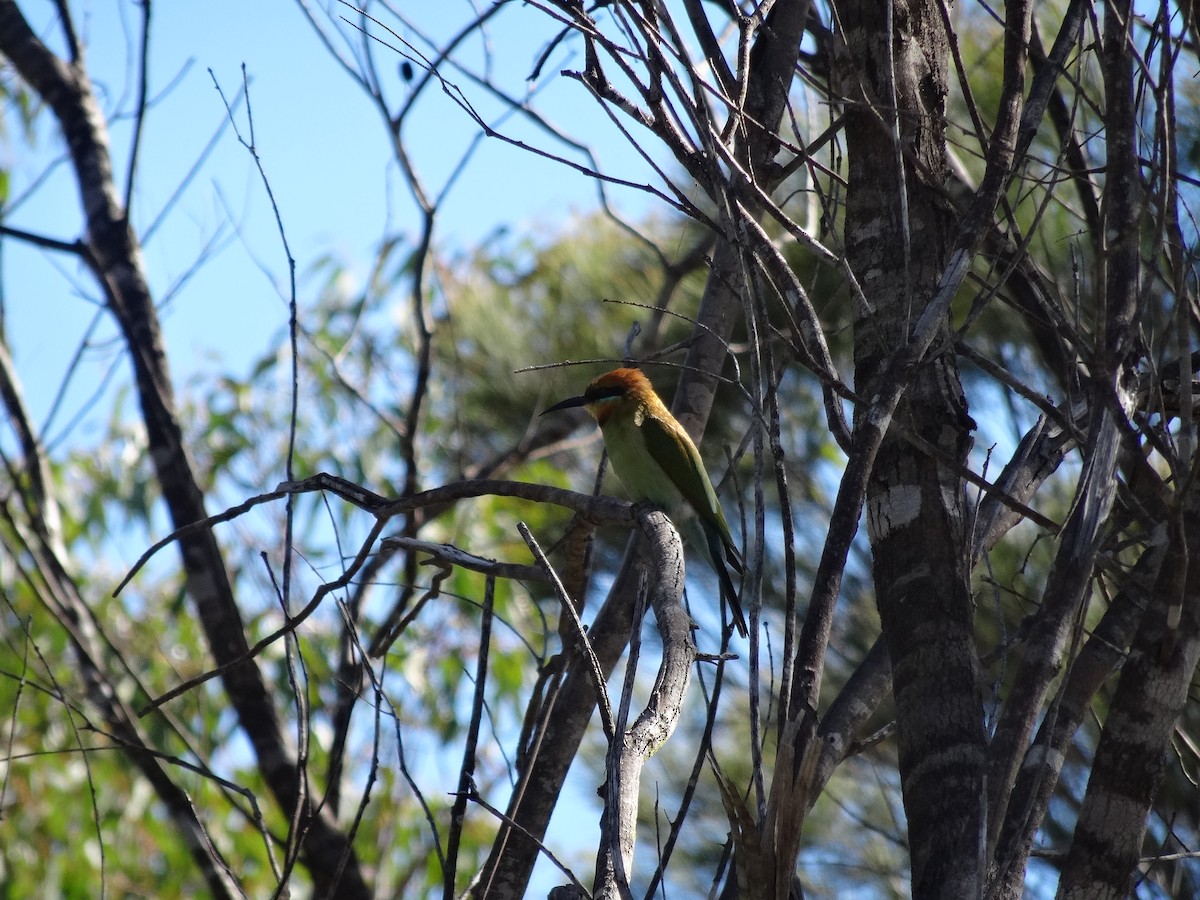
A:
x,y
325,153
326,156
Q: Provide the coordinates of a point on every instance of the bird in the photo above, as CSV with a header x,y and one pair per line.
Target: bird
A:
x,y
658,463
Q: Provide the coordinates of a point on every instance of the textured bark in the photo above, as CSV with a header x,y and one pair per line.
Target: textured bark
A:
x,y
635,745
1153,688
1067,590
1135,746
1038,776
897,243
112,252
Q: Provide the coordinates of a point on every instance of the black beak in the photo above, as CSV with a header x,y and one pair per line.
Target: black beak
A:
x,y
567,404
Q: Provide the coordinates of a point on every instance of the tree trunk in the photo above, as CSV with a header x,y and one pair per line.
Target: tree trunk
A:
x,y
897,228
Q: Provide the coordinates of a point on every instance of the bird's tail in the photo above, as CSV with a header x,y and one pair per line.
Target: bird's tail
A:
x,y
723,557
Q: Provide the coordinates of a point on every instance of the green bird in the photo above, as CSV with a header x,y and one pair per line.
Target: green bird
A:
x,y
658,463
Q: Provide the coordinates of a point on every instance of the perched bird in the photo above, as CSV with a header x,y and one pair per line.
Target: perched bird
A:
x,y
658,463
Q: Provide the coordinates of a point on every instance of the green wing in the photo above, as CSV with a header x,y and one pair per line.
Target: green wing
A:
x,y
678,457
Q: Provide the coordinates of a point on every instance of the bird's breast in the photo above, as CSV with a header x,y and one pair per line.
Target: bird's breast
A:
x,y
643,478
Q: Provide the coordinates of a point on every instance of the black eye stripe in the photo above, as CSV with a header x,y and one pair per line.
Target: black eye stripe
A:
x,y
603,393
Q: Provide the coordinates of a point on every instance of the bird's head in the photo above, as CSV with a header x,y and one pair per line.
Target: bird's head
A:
x,y
612,392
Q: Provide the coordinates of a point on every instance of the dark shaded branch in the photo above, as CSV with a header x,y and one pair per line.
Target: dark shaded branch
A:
x,y
114,257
